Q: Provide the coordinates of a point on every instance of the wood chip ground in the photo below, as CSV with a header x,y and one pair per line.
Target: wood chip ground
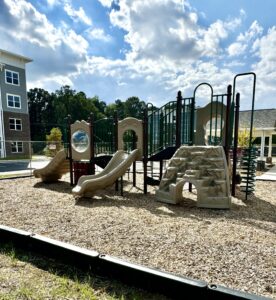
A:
x,y
234,248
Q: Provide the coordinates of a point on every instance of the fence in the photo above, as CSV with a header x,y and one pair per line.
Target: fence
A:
x,y
19,158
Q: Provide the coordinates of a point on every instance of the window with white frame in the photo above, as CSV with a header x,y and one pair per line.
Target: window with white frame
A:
x,y
17,147
12,77
15,124
14,101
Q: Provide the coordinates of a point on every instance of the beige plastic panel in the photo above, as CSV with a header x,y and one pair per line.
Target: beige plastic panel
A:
x,y
116,168
84,126
131,124
203,166
203,115
54,170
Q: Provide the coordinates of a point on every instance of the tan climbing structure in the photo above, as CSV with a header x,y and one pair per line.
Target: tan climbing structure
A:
x,y
203,166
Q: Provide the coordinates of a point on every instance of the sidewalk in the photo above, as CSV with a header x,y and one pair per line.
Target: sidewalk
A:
x,y
28,171
269,175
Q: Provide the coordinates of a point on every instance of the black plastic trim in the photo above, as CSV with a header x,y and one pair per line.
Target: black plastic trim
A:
x,y
154,280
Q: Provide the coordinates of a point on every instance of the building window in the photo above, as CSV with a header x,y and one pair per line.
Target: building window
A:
x,y
12,77
17,147
14,101
15,124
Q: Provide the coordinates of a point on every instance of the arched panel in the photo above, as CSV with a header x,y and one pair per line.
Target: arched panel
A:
x,y
131,124
80,140
204,115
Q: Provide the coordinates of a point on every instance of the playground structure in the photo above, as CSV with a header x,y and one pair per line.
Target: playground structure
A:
x,y
203,166
116,168
157,137
54,170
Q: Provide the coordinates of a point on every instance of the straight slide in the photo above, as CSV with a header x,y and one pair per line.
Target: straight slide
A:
x,y
54,170
116,168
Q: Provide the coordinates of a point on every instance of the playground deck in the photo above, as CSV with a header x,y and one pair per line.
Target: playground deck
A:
x,y
234,248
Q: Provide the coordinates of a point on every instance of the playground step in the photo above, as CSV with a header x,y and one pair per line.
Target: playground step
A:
x,y
214,158
192,164
204,166
198,153
192,171
171,172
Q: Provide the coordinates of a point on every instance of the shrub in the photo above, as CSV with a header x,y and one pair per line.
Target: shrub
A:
x,y
54,142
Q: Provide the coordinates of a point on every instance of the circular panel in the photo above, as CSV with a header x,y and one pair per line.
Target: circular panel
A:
x,y
80,141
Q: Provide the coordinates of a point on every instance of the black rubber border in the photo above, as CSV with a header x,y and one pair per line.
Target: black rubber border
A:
x,y
153,280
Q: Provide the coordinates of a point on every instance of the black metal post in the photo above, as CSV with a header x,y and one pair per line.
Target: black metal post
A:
x,y
178,120
161,170
92,146
115,122
237,111
227,122
70,149
145,148
134,146
115,139
122,185
192,121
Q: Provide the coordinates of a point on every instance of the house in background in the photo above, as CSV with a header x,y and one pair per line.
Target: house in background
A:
x,y
14,116
264,126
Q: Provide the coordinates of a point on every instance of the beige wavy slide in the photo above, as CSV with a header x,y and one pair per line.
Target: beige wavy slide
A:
x,y
116,168
54,170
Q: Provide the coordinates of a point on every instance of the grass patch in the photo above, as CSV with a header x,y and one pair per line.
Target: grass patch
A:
x,y
25,276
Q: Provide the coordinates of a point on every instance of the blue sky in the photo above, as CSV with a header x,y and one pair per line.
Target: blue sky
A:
x,y
150,49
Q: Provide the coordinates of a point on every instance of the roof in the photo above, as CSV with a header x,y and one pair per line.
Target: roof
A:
x,y
262,118
15,56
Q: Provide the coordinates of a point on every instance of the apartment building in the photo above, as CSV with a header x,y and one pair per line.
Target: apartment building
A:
x,y
14,116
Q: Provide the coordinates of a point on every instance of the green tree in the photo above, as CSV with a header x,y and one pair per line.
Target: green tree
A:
x,y
110,110
54,142
41,112
244,138
134,107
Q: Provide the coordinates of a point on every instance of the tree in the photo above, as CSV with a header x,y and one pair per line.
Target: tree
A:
x,y
110,110
41,112
243,138
54,142
134,107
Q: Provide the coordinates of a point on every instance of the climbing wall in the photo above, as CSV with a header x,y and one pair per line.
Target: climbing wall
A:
x,y
203,166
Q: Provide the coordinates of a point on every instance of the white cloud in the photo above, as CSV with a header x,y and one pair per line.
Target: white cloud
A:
x,y
253,32
99,34
162,30
244,40
76,42
77,15
106,3
169,48
266,67
28,24
56,80
236,49
234,63
58,52
243,13
212,37
52,3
